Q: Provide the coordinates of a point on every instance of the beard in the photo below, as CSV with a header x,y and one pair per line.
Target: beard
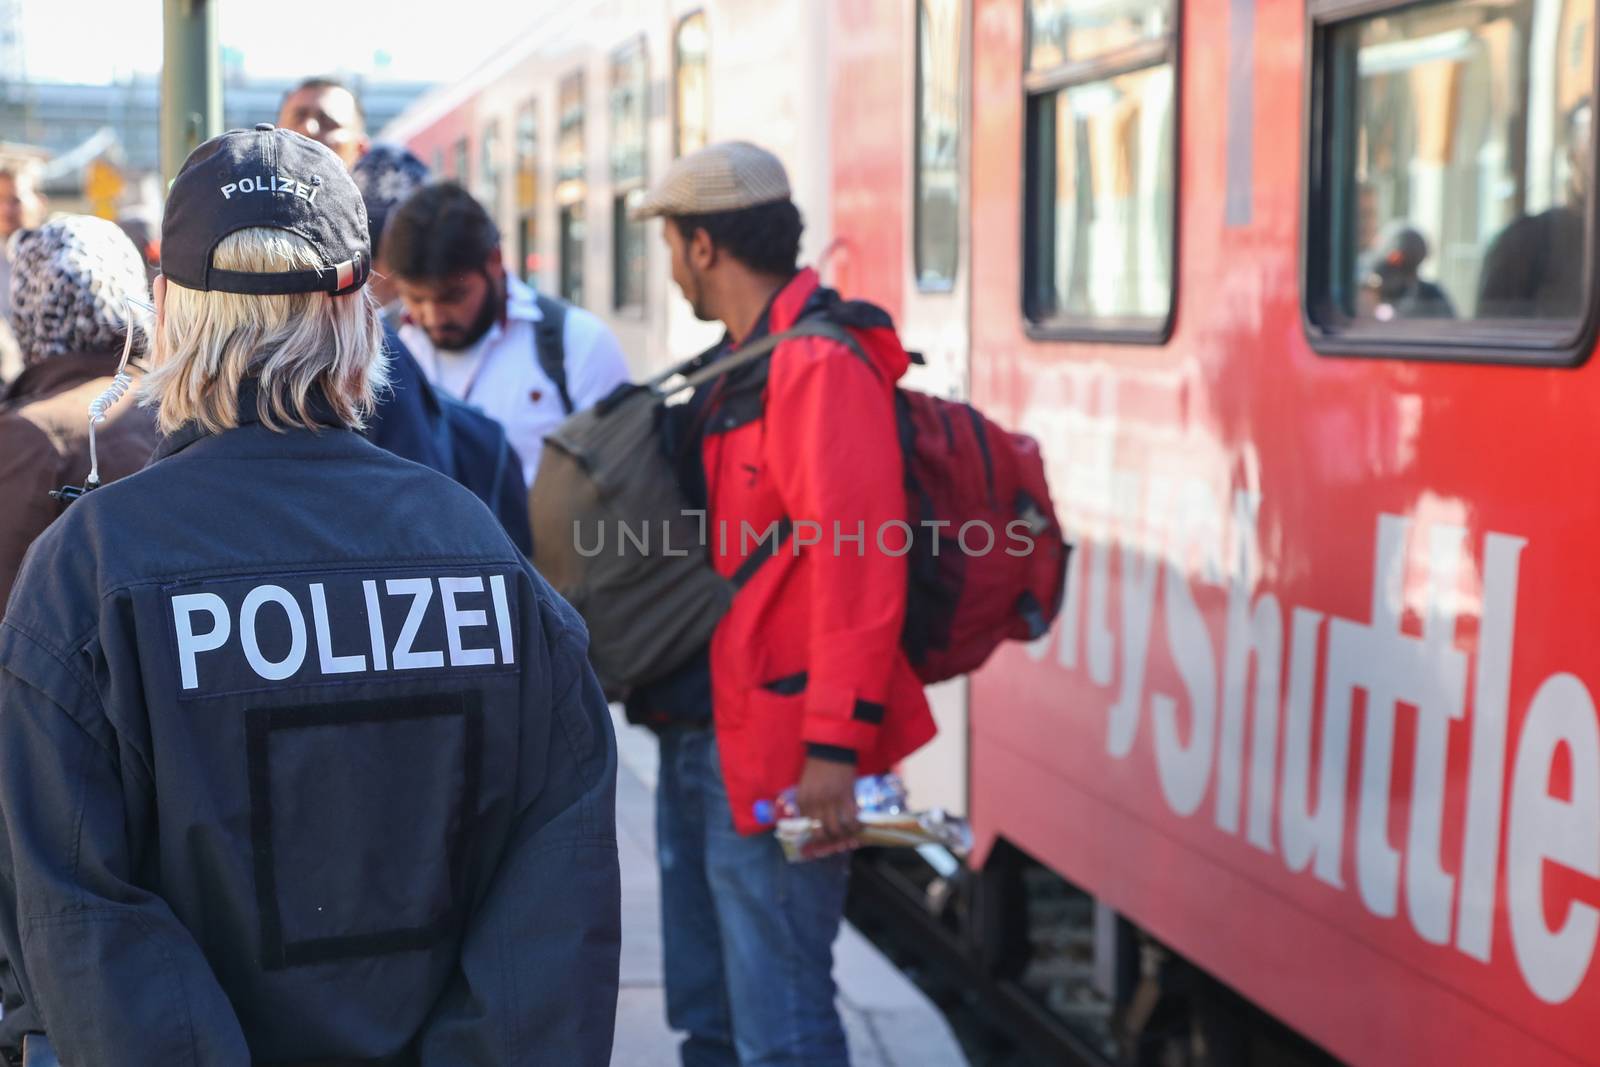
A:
x,y
457,339
694,293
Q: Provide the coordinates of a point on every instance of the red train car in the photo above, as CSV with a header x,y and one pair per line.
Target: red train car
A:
x,y
1298,299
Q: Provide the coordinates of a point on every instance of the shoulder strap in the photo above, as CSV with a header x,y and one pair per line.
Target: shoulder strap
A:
x,y
822,325
811,326
549,335
683,369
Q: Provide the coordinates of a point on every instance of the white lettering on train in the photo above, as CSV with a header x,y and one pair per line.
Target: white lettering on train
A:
x,y
1544,828
1303,813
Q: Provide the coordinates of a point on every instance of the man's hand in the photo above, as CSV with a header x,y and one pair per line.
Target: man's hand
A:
x,y
827,792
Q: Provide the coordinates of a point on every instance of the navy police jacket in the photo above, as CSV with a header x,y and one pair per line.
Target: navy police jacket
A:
x,y
300,761
429,427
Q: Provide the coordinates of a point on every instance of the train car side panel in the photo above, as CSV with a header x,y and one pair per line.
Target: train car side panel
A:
x,y
1321,677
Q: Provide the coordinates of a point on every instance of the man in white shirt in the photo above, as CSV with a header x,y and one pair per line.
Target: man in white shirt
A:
x,y
483,336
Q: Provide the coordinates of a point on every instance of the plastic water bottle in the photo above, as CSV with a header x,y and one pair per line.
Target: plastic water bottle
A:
x,y
879,794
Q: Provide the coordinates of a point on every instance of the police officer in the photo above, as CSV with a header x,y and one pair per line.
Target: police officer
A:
x,y
299,760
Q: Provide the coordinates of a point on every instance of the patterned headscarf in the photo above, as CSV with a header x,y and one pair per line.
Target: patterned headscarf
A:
x,y
386,176
68,281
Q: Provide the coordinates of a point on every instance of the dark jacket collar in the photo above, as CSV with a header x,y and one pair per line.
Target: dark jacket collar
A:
x,y
786,304
57,373
804,295
249,415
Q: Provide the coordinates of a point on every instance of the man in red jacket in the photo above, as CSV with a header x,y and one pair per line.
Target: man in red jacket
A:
x,y
806,679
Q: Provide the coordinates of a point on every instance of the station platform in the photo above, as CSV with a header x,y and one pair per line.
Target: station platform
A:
x,y
888,1021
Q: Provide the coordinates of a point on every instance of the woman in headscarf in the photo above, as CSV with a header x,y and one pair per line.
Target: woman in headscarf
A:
x,y
69,282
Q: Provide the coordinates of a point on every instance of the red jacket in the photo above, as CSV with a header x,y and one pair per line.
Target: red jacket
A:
x,y
809,656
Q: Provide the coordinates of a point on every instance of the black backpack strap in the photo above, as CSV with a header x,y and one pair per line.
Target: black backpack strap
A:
x,y
549,335
696,372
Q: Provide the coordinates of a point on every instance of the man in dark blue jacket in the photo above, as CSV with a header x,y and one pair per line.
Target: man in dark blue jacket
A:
x,y
300,761
416,421
413,419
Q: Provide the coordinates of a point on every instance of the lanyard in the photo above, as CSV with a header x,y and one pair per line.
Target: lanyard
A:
x,y
477,372
485,346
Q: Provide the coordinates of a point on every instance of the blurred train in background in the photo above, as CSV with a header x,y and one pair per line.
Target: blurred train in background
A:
x,y
1297,297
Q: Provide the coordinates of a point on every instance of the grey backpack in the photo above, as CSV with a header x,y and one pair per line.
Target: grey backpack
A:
x,y
614,535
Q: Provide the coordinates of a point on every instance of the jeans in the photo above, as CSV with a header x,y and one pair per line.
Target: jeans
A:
x,y
747,936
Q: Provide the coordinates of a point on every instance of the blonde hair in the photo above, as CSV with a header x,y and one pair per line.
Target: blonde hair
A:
x,y
304,347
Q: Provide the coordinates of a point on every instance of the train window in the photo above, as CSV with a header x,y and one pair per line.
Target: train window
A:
x,y
691,91
570,164
572,253
572,187
1451,187
1099,240
630,88
527,248
937,153
1061,32
460,160
527,195
628,261
489,168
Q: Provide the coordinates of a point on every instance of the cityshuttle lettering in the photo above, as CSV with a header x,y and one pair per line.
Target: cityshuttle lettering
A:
x,y
237,636
1276,749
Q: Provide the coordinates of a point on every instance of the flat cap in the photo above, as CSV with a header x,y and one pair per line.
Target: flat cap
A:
x,y
729,176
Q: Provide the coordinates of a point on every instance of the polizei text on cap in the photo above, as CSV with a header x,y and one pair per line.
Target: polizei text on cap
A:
x,y
276,183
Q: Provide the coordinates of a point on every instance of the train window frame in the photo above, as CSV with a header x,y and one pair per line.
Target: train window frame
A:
x,y
677,89
1038,85
1332,333
944,282
572,188
526,145
572,234
569,129
489,176
627,185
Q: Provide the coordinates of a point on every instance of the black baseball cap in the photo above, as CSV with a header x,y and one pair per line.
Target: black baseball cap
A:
x,y
270,178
